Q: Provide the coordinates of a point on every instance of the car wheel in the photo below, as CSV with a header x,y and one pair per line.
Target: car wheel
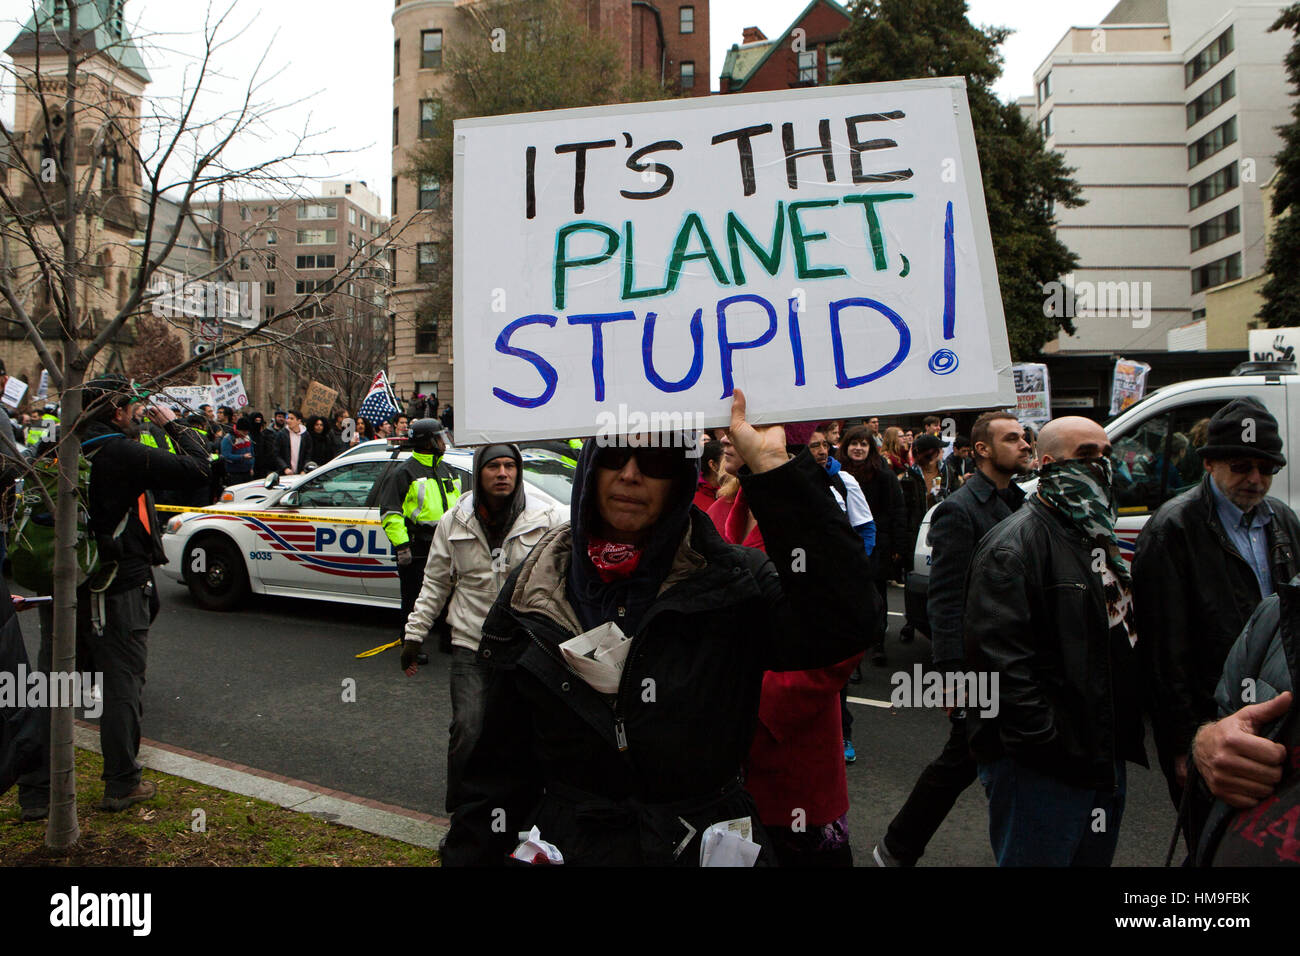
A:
x,y
222,582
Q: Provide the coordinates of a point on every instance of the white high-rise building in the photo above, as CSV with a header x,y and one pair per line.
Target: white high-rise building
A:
x,y
1167,110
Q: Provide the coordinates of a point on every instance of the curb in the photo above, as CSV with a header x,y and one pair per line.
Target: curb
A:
x,y
334,806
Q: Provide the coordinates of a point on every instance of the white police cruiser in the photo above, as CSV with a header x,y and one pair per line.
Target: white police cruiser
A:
x,y
312,535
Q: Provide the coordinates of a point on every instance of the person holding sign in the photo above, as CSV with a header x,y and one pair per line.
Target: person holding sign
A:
x,y
633,761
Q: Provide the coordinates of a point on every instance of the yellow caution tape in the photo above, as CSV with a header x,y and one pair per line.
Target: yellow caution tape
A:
x,y
269,515
377,650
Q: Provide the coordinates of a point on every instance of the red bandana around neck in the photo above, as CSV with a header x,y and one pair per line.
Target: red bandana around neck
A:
x,y
611,560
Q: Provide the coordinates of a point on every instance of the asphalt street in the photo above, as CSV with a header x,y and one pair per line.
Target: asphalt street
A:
x,y
277,686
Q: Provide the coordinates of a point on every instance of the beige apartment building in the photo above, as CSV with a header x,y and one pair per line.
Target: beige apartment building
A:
x,y
1167,110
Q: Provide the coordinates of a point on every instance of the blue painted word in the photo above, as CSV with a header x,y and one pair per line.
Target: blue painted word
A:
x,y
352,540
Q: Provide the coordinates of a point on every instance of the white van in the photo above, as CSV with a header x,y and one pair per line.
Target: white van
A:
x,y
1157,439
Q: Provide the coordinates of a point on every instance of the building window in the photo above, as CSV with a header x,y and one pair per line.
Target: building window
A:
x,y
268,288
429,189
272,214
397,58
363,222
808,66
352,215
1212,99
1216,273
393,204
326,210
1217,139
315,262
317,237
268,311
394,125
1213,186
1219,227
243,213
427,261
1204,61
243,263
1045,88
688,74
392,262
270,260
686,20
392,333
426,335
271,238
431,49
1045,127
428,119
352,240
833,65
306,286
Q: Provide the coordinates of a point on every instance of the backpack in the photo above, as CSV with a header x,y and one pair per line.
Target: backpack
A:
x,y
31,544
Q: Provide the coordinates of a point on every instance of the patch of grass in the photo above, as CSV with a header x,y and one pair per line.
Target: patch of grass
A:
x,y
237,831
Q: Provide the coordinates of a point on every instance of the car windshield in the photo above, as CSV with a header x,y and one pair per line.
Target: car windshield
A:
x,y
554,475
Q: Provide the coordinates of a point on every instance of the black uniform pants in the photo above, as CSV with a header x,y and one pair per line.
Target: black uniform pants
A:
x,y
411,579
932,797
120,652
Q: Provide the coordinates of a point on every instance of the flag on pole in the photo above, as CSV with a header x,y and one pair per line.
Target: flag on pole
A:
x,y
379,405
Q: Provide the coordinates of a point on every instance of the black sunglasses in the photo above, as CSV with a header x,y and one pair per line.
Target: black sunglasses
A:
x,y
1267,469
652,462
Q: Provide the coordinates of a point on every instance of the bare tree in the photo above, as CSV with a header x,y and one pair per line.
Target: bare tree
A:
x,y
83,234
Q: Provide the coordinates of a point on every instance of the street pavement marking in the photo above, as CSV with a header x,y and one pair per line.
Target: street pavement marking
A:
x,y
869,702
897,614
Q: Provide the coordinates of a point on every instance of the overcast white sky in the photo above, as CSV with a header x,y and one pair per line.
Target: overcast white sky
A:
x,y
339,60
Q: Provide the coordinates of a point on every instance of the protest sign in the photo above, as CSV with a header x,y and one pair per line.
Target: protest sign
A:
x,y
1033,394
1129,386
319,400
14,392
185,398
827,250
43,387
229,391
1273,345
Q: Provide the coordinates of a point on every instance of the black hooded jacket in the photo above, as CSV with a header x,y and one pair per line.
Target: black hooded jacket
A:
x,y
634,778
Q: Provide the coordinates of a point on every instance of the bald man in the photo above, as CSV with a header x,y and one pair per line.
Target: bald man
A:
x,y
1049,617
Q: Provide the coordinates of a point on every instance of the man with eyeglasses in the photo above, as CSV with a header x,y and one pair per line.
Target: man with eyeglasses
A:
x,y
1203,563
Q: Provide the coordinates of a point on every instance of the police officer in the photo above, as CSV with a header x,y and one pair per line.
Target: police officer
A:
x,y
412,496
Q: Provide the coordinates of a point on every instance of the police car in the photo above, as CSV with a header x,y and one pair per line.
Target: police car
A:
x,y
313,536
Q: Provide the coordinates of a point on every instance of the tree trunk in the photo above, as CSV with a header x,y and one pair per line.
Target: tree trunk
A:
x,y
62,831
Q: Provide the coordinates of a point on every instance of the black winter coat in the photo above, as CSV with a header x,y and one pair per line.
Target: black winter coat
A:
x,y
121,471
885,498
610,781
1193,593
959,524
1036,615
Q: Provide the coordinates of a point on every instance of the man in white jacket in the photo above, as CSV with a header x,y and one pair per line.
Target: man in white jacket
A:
x,y
474,548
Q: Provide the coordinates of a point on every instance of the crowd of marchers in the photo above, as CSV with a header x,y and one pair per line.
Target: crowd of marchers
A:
x,y
661,678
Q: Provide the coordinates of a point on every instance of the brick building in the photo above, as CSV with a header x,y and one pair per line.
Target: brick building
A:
x,y
798,57
328,249
670,40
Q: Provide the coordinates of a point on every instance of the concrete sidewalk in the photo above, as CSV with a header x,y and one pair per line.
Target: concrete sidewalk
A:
x,y
398,823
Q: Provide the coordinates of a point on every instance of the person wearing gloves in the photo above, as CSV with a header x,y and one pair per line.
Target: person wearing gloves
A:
x,y
412,496
631,763
476,544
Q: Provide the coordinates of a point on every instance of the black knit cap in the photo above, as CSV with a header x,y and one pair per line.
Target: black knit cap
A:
x,y
1233,424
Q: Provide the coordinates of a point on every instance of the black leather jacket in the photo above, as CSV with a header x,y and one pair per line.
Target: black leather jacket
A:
x,y
1036,616
1193,593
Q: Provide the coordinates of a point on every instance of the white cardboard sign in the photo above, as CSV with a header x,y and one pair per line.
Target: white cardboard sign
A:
x,y
826,250
14,392
229,391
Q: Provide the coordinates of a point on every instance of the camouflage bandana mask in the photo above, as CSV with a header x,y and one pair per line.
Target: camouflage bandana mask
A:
x,y
1083,490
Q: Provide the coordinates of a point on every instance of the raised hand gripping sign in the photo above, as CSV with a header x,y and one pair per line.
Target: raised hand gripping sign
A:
x,y
826,250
